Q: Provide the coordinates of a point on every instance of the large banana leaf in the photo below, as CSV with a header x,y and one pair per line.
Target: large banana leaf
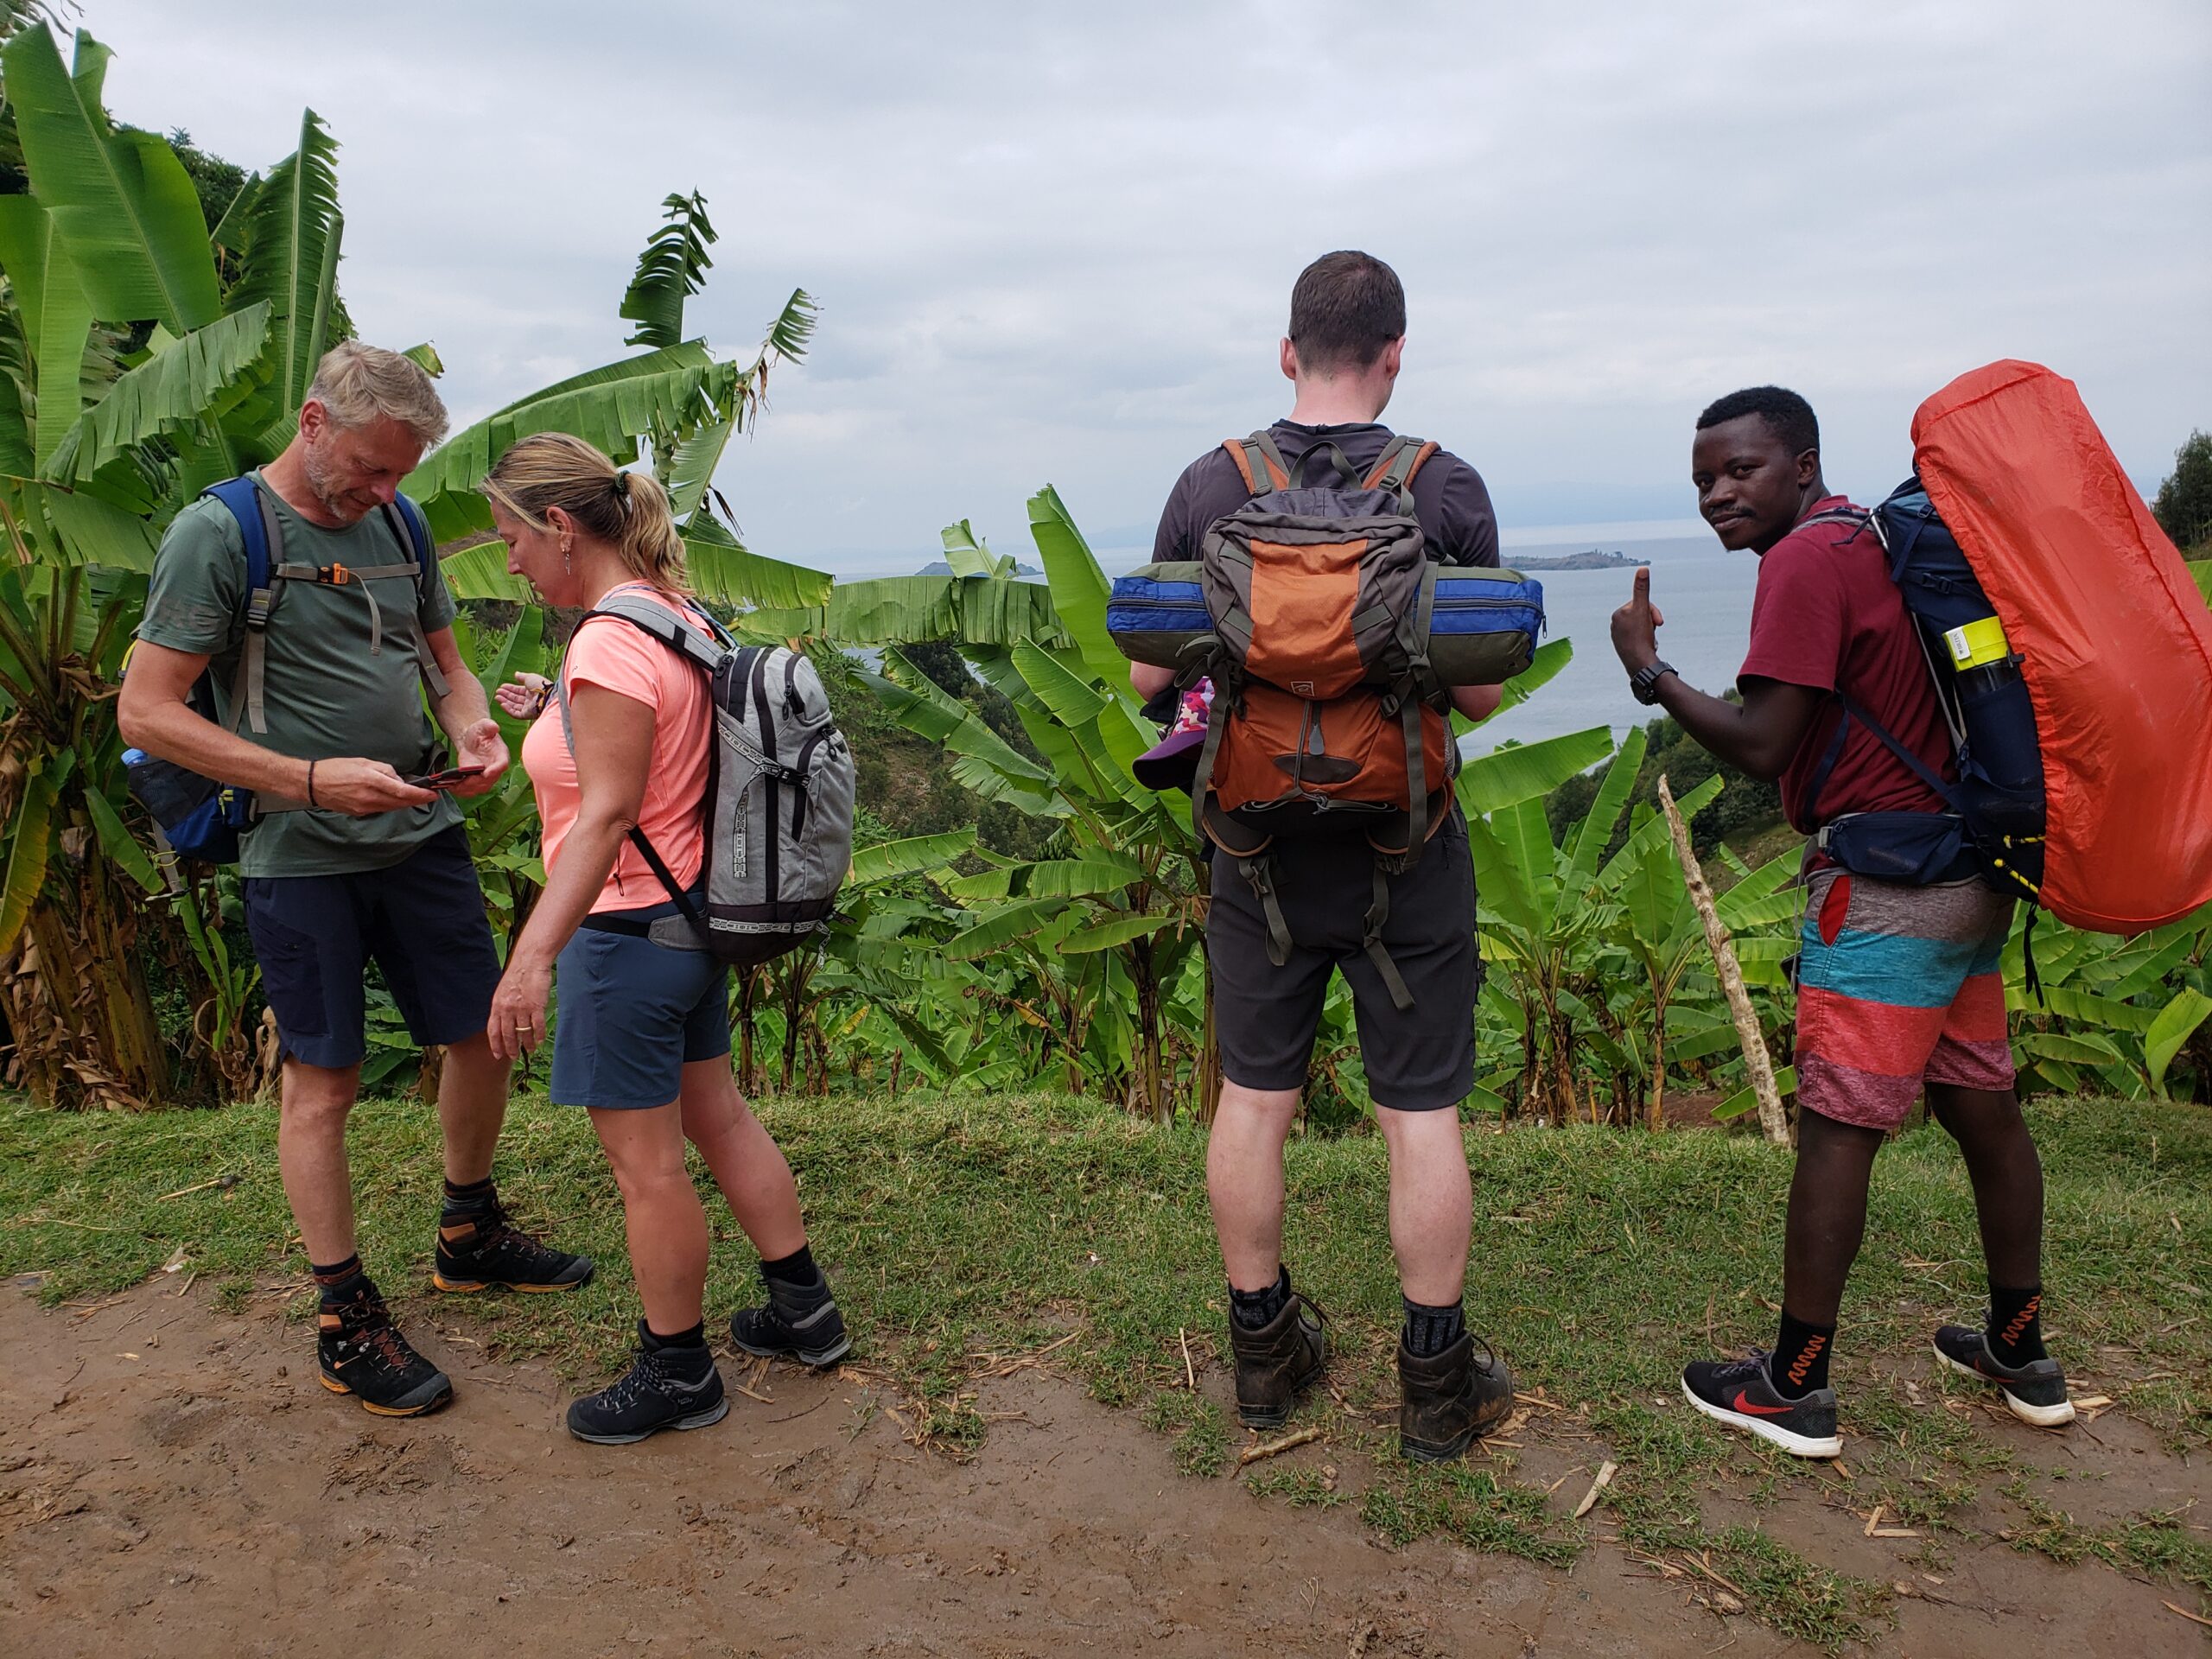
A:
x,y
678,388
1522,772
481,572
730,575
968,555
1604,814
1116,930
891,859
95,532
905,610
30,842
1079,588
196,378
691,465
2173,1026
120,199
1000,928
1542,667
671,269
1096,872
289,238
57,321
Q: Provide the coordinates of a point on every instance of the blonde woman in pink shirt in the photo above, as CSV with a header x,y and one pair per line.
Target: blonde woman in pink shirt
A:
x,y
642,1041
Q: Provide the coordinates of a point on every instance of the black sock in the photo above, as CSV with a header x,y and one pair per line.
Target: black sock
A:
x,y
686,1352
1255,1309
797,1270
472,1199
2016,1325
1800,1357
336,1281
1430,1330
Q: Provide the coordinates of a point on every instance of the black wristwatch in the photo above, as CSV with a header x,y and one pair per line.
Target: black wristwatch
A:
x,y
1644,682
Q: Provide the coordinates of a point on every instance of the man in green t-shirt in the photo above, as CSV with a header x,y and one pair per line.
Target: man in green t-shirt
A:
x,y
351,862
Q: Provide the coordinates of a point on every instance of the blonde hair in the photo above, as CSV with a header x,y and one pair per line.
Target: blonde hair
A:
x,y
627,511
358,384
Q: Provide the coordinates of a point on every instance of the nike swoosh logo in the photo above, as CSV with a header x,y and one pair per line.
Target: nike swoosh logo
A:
x,y
1742,1402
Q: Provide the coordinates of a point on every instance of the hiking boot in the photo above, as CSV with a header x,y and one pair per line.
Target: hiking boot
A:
x,y
363,1354
1741,1393
1448,1399
2036,1391
485,1247
800,1323
668,1388
1275,1362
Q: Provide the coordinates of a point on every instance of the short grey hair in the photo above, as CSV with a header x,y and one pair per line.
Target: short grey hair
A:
x,y
358,384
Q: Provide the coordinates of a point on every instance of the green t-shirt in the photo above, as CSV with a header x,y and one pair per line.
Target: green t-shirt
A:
x,y
327,693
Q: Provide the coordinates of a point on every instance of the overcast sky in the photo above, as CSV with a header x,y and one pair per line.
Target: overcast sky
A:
x,y
1056,244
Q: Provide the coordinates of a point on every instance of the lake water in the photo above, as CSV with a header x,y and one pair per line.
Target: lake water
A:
x,y
1702,589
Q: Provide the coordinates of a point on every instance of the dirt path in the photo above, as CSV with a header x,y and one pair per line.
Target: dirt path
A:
x,y
172,1481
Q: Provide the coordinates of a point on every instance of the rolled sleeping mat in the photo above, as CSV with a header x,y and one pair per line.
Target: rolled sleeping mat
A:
x,y
1483,624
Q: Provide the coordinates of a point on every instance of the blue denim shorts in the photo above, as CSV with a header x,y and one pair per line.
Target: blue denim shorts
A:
x,y
632,1014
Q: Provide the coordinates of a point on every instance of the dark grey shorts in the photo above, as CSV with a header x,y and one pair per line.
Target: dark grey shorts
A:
x,y
1264,1017
631,1016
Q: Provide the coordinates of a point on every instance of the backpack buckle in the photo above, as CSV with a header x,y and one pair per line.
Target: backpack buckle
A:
x,y
336,575
260,606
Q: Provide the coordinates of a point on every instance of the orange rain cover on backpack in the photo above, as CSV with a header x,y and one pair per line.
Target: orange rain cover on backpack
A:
x,y
2114,638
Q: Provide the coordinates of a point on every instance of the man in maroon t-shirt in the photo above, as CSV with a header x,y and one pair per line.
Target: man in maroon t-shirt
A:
x,y
1898,986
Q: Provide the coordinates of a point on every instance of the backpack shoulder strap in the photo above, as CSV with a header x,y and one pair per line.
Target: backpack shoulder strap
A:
x,y
1394,469
263,538
413,531
1259,463
703,646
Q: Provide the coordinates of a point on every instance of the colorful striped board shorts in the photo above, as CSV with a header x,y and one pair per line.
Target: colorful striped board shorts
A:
x,y
1897,986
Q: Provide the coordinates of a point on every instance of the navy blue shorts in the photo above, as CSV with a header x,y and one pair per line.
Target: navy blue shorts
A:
x,y
631,1014
420,921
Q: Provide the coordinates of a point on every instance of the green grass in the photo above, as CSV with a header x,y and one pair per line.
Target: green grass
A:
x,y
960,1230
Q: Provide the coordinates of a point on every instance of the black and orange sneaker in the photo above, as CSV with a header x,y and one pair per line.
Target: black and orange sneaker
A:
x,y
2035,1392
364,1355
668,1388
482,1247
1740,1392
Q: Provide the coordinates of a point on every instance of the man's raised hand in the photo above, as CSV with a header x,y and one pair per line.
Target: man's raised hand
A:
x,y
1637,624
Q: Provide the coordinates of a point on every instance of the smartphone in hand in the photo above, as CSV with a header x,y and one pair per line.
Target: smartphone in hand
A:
x,y
451,778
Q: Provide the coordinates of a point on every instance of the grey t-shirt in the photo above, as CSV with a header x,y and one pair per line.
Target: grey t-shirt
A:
x,y
1449,496
327,693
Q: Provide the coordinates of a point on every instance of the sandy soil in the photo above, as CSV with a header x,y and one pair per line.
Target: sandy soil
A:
x,y
174,1481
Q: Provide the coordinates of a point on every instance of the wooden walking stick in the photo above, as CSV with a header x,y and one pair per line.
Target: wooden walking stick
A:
x,y
1756,1060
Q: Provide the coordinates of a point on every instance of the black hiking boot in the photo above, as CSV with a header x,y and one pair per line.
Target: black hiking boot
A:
x,y
1448,1399
800,1323
667,1388
1277,1361
1741,1393
481,1247
363,1354
2036,1392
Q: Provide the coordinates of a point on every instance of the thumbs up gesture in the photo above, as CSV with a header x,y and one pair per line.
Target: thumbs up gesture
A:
x,y
1637,624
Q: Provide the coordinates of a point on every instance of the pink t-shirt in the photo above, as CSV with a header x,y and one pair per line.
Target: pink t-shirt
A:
x,y
609,653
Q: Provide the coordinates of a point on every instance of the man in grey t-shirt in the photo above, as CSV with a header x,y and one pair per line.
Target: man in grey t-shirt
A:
x,y
350,863
1346,340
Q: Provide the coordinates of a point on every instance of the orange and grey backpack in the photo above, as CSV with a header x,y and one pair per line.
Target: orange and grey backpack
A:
x,y
1330,644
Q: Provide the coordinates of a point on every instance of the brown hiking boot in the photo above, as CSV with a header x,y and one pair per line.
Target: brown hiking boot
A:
x,y
1277,1360
1450,1398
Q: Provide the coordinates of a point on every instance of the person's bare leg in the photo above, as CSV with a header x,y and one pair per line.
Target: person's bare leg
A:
x,y
2007,1177
316,1102
472,1107
1244,1180
745,1162
1432,1202
661,1214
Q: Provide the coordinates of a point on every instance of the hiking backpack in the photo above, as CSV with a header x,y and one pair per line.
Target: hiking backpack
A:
x,y
199,818
780,792
1320,599
2072,656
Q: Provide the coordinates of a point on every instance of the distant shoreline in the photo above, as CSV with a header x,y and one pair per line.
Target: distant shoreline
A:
x,y
1593,560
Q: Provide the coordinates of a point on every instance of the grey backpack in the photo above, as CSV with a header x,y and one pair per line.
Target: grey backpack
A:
x,y
779,793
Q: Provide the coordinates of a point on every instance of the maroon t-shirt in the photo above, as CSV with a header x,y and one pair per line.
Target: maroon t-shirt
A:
x,y
1827,616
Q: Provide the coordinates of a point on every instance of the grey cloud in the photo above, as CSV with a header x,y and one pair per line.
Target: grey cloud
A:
x,y
1055,245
